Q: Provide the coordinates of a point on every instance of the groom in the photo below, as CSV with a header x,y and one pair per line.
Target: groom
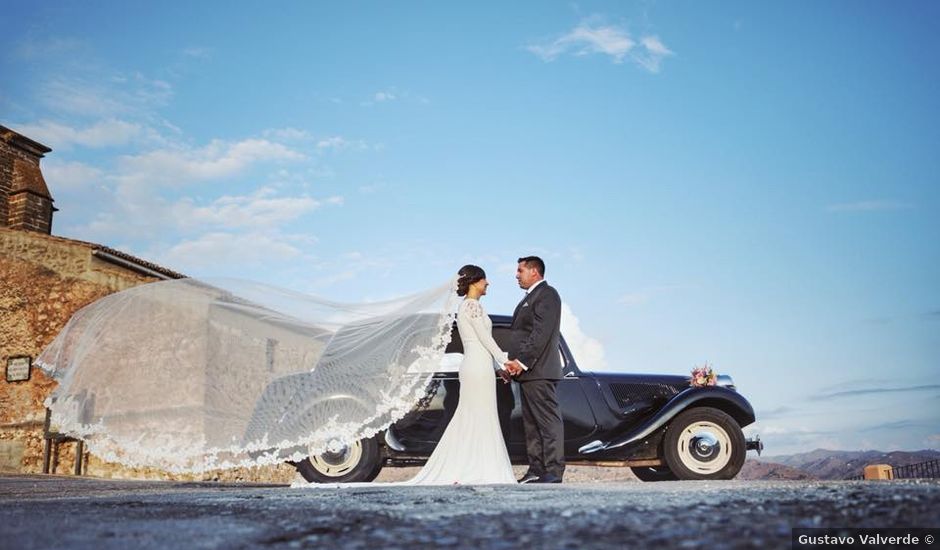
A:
x,y
536,364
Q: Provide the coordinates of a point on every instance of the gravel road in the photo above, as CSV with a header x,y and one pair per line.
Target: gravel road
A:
x,y
69,512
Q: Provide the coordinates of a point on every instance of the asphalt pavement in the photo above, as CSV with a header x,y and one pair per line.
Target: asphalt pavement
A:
x,y
77,513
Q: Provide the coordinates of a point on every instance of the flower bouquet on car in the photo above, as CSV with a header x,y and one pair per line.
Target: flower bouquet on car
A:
x,y
703,376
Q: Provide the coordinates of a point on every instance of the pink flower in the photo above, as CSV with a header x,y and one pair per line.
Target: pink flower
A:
x,y
703,376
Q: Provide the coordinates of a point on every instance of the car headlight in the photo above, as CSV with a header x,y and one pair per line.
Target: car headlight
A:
x,y
726,381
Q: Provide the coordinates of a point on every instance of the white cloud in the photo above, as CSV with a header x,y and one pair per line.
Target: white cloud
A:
x,y
394,94
138,211
587,351
69,175
214,249
80,98
654,53
586,39
259,209
105,94
286,134
104,133
337,143
589,37
869,206
351,265
333,142
216,160
197,53
48,48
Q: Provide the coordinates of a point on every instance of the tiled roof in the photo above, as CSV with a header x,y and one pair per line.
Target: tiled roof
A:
x,y
135,260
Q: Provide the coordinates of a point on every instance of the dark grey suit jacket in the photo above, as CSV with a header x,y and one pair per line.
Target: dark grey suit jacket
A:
x,y
535,334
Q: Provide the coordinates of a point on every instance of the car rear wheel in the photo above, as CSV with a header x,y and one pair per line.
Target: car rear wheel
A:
x,y
654,473
704,443
361,461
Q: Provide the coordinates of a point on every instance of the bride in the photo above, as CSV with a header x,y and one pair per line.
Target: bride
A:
x,y
472,449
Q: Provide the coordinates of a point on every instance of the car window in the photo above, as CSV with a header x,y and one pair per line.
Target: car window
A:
x,y
453,355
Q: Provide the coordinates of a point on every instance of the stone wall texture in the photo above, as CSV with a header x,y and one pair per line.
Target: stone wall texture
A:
x,y
7,158
25,202
43,281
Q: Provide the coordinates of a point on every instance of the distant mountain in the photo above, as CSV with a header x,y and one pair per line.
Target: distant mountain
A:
x,y
761,469
825,464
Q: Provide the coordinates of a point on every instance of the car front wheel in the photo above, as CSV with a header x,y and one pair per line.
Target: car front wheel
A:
x,y
704,443
360,461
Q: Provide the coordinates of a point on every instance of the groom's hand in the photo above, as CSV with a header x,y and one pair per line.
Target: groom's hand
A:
x,y
513,367
505,375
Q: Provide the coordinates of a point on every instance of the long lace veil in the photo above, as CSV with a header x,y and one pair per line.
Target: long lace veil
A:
x,y
190,375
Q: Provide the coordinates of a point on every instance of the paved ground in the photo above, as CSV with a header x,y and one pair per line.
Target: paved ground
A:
x,y
67,512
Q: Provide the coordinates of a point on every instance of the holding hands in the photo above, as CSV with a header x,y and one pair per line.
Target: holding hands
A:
x,y
513,367
509,370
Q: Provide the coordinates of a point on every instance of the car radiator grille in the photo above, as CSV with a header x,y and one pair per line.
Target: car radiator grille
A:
x,y
632,394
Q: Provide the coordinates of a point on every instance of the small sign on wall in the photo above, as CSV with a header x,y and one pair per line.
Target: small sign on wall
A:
x,y
19,368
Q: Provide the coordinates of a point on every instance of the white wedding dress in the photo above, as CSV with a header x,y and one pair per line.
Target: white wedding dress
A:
x,y
472,450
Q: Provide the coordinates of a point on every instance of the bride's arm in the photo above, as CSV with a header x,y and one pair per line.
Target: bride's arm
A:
x,y
475,313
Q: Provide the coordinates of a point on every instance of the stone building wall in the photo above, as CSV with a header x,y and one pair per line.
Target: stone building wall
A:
x,y
25,201
7,156
45,280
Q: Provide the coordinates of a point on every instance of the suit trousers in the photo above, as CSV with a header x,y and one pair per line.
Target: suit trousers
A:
x,y
544,427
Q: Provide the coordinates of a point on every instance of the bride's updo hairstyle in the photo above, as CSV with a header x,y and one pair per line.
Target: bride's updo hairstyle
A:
x,y
468,275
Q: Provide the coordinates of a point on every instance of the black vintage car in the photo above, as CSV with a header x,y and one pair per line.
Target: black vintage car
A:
x,y
658,425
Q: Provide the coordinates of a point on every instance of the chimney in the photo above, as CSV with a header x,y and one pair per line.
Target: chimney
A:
x,y
25,202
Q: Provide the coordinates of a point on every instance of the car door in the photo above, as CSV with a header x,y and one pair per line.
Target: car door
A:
x,y
419,431
578,418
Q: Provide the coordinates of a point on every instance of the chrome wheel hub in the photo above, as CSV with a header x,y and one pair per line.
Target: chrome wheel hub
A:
x,y
704,447
338,460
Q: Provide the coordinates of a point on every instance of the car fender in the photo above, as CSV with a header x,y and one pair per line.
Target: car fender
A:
x,y
717,397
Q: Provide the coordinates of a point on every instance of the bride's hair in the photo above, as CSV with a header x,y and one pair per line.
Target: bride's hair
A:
x,y
468,275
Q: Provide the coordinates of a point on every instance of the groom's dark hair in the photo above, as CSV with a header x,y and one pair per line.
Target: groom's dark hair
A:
x,y
534,262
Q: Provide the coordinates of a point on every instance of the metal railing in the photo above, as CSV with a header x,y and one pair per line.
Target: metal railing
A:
x,y
921,470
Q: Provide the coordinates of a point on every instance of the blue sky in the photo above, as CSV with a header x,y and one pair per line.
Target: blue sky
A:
x,y
750,184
